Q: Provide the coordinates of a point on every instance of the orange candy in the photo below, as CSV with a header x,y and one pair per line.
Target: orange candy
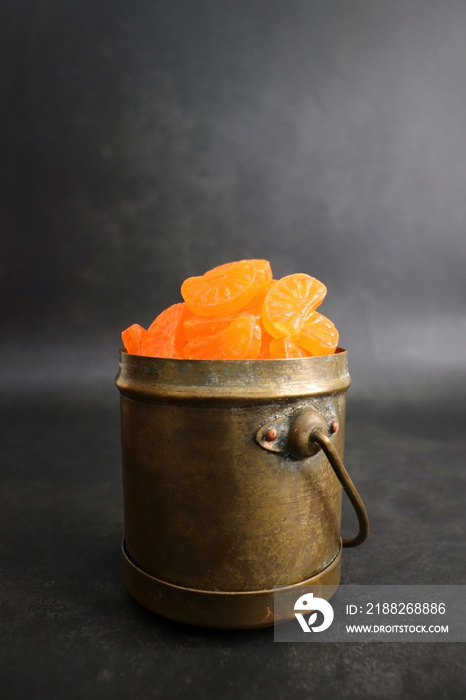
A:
x,y
221,291
255,305
164,336
289,310
237,311
201,326
133,338
289,303
240,340
319,336
263,269
286,347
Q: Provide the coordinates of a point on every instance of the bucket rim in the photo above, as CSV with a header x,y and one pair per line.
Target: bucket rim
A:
x,y
235,380
338,351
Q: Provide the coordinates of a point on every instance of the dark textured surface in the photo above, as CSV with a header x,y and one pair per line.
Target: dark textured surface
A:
x,y
69,630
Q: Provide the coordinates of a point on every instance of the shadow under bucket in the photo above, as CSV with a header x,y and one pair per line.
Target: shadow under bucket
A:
x,y
232,480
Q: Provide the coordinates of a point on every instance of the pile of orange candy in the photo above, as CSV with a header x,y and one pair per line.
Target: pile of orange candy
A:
x,y
237,311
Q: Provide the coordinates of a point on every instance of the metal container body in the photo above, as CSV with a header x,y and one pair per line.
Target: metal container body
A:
x,y
209,508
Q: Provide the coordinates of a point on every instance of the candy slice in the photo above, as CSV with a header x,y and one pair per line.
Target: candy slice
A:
x,y
221,291
165,336
255,305
202,326
240,340
318,335
133,339
263,269
264,352
290,302
286,347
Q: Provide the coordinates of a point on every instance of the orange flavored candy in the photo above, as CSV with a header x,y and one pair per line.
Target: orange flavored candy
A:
x,y
289,302
164,336
286,347
255,305
237,311
289,310
240,340
318,335
263,269
201,326
264,352
221,291
133,338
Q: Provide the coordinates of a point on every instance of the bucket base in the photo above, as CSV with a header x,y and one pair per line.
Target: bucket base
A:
x,y
219,609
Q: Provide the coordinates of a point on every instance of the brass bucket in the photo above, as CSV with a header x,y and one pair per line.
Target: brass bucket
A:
x,y
232,480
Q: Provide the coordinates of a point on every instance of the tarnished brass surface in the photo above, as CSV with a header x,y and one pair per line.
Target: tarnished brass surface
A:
x,y
208,507
235,381
220,609
320,438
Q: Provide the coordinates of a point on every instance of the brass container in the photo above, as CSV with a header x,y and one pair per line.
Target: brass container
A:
x,y
232,479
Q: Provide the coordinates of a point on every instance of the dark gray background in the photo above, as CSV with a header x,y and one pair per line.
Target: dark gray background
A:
x,y
143,142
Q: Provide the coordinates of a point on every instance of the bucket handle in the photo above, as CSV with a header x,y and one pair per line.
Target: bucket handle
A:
x,y
301,436
350,489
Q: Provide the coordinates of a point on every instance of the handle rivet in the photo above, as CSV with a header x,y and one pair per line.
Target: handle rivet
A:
x,y
334,426
271,434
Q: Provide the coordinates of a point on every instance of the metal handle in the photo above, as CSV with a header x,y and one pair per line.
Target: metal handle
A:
x,y
350,489
301,435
